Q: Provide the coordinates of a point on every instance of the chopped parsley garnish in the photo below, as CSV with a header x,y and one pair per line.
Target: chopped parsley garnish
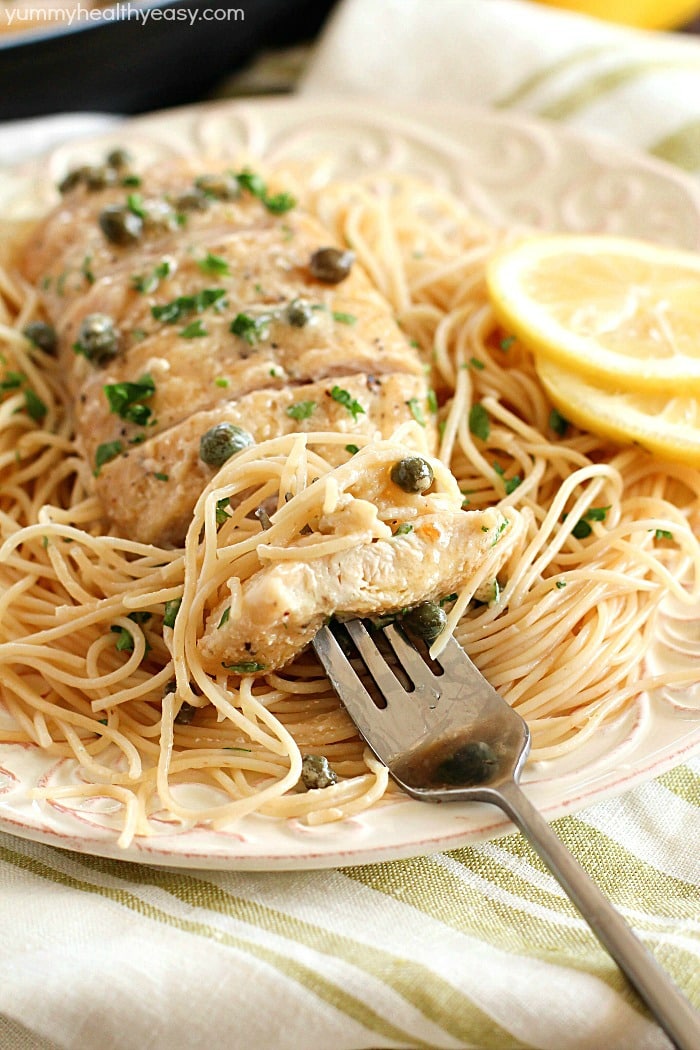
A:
x,y
416,410
510,484
506,343
404,528
559,584
251,182
221,381
105,453
86,270
222,513
36,409
224,616
12,380
301,410
500,530
34,406
159,476
125,641
184,305
476,363
343,318
194,330
582,529
126,399
252,329
134,203
558,423
213,264
432,401
277,203
662,534
344,398
597,513
247,667
479,422
352,449
149,282
448,598
172,608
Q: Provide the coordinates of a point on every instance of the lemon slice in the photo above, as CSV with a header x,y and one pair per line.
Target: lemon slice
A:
x,y
647,14
665,425
624,312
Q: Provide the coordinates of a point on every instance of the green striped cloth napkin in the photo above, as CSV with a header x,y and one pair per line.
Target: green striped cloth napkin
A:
x,y
476,948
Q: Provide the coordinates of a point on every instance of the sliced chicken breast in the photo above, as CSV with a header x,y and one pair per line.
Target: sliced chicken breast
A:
x,y
197,297
280,608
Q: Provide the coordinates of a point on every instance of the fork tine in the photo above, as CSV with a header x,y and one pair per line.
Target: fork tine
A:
x,y
340,671
454,660
375,663
411,660
457,665
349,687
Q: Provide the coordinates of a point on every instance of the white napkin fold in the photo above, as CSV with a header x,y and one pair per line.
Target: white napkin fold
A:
x,y
642,88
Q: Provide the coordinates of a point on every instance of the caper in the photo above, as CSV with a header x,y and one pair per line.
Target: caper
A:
x,y
92,176
97,177
159,215
70,181
299,313
120,225
412,474
192,200
427,620
316,772
185,714
331,265
473,763
221,442
222,186
98,339
42,335
118,158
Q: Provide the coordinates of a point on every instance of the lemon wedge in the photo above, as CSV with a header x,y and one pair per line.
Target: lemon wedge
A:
x,y
624,312
665,425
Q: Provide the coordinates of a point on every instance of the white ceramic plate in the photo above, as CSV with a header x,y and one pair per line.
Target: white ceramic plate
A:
x,y
509,168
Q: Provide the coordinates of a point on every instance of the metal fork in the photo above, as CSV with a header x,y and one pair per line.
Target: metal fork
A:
x,y
446,735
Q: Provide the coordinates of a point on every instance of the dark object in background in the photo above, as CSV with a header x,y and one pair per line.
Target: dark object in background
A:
x,y
126,65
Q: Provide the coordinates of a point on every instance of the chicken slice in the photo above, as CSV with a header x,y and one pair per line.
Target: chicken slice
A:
x,y
276,611
164,476
178,363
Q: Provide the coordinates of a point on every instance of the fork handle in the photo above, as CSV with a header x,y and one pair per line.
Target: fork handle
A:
x,y
671,1009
